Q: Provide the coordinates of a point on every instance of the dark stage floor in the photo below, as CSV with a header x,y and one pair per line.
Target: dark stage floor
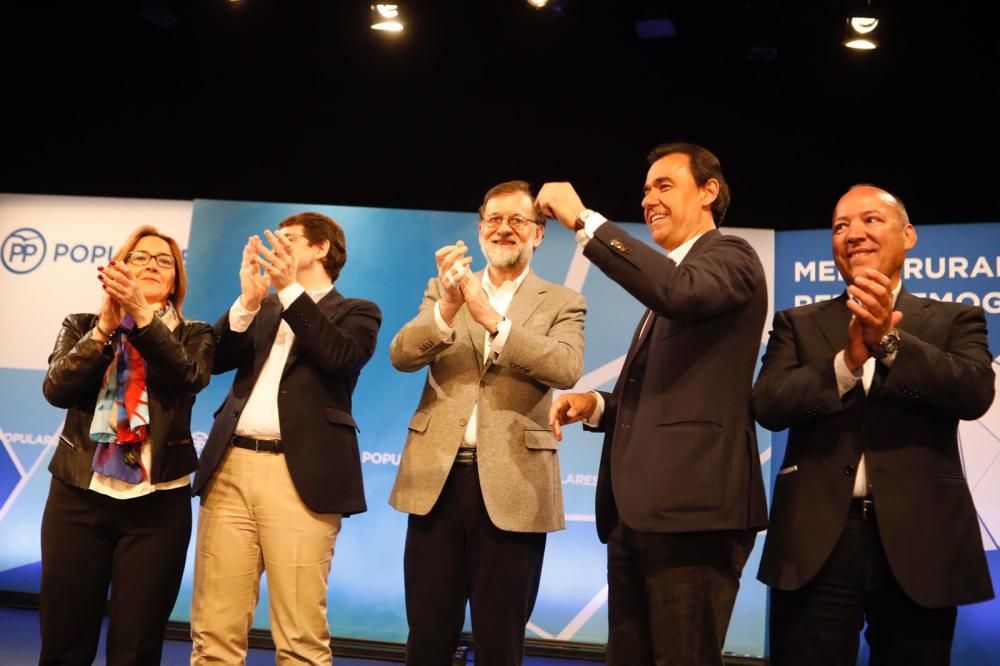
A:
x,y
19,646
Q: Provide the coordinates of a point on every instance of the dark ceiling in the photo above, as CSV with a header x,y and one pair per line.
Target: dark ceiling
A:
x,y
296,100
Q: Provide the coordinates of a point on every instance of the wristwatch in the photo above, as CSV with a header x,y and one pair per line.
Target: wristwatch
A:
x,y
887,346
586,216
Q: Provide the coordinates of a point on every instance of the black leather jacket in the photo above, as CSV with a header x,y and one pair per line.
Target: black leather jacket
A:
x,y
178,365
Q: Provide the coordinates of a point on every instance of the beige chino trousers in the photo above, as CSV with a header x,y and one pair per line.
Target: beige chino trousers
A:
x,y
251,521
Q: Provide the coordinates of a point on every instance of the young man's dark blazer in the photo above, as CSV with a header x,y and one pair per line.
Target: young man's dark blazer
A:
x,y
334,338
907,428
680,453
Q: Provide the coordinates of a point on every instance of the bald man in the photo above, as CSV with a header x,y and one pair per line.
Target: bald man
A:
x,y
872,521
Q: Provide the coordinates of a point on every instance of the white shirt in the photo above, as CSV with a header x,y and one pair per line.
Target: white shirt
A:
x,y
677,254
846,380
500,299
259,419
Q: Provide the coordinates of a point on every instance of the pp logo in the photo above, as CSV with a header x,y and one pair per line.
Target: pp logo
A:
x,y
23,250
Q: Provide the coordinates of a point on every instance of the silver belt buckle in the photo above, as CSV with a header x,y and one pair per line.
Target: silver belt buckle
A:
x,y
466,455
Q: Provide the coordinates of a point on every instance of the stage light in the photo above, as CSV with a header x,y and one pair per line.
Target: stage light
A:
x,y
864,24
860,33
387,17
549,7
860,30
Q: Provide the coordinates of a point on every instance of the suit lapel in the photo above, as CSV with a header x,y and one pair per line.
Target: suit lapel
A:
x,y
914,311
637,339
642,333
833,318
475,332
526,300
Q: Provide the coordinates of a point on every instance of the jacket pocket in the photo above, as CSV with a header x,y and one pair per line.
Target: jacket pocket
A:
x,y
540,440
340,417
67,442
419,421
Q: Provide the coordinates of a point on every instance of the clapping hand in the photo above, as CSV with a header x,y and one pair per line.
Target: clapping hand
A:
x,y
279,261
253,283
870,301
123,287
452,266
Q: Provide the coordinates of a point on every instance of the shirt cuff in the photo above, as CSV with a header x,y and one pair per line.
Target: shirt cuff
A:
x,y
590,228
240,318
447,332
288,295
846,380
503,332
595,419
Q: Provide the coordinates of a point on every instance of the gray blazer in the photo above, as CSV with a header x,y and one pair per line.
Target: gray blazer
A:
x,y
517,451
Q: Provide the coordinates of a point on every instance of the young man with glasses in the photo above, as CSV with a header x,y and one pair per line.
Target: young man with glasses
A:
x,y
480,473
281,465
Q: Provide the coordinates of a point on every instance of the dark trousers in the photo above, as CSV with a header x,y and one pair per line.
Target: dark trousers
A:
x,y
455,554
89,541
670,596
819,624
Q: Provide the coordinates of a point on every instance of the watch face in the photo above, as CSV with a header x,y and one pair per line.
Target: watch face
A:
x,y
888,345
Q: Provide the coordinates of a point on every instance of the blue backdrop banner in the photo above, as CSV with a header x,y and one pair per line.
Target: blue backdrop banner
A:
x,y
50,246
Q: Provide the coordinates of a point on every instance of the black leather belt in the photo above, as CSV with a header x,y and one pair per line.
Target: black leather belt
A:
x,y
268,445
862,507
466,455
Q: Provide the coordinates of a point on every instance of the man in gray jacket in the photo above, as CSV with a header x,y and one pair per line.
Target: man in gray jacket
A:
x,y
480,473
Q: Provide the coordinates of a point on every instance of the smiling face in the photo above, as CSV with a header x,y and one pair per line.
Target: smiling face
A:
x,y
674,206
506,249
155,281
869,231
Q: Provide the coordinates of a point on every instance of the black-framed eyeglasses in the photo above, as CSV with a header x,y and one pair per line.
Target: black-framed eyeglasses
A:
x,y
140,258
516,222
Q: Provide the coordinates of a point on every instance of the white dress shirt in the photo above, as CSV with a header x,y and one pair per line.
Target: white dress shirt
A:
x,y
500,299
259,419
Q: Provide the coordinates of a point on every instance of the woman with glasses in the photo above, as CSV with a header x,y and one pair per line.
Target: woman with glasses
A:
x,y
119,506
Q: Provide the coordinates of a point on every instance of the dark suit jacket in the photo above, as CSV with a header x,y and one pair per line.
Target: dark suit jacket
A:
x,y
178,365
333,340
680,453
907,428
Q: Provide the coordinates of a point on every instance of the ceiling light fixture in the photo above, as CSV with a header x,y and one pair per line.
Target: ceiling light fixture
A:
x,y
386,17
862,22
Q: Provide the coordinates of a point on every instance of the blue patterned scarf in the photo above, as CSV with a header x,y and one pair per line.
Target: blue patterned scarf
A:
x,y
121,416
